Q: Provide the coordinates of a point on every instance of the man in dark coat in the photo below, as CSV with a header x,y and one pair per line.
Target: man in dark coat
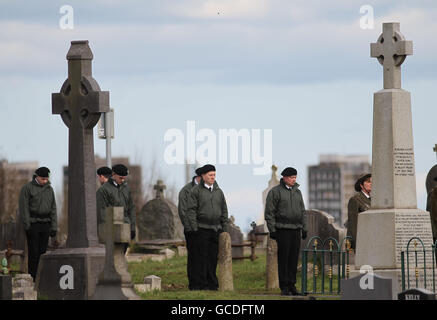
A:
x,y
431,207
286,220
37,206
193,253
116,193
103,174
207,216
358,203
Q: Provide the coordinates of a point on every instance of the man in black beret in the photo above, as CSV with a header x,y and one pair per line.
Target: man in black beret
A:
x,y
207,216
286,220
116,193
193,271
103,174
358,203
37,207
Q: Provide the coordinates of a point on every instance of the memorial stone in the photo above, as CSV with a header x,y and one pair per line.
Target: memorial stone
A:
x,y
80,104
385,229
364,288
236,238
159,218
225,279
272,278
416,294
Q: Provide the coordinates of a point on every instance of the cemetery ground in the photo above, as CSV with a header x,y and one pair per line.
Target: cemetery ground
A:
x,y
249,281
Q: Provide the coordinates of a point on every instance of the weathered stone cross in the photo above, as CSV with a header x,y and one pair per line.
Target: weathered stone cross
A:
x,y
391,50
80,104
159,187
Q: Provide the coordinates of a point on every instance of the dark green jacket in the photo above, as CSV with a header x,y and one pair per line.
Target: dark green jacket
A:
x,y
111,195
431,207
357,203
207,209
37,204
184,195
285,208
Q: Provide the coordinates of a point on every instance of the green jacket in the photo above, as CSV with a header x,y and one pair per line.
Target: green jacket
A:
x,y
431,207
112,195
184,195
207,209
285,208
37,204
357,203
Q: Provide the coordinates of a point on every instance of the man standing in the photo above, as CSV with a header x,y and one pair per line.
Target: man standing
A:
x,y
116,193
207,216
286,220
358,203
103,174
37,206
431,207
193,272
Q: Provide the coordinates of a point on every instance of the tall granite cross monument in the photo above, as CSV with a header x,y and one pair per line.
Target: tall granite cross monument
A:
x,y
71,273
385,229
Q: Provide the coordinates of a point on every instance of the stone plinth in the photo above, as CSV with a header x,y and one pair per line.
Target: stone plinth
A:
x,y
272,278
225,279
85,263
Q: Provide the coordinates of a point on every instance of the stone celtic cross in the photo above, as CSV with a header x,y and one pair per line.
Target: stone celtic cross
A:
x,y
159,187
391,50
80,104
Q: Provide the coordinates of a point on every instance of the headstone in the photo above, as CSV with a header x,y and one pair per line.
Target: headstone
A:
x,y
23,287
385,229
5,287
323,225
416,294
366,287
225,279
236,238
115,282
153,281
80,104
159,218
272,278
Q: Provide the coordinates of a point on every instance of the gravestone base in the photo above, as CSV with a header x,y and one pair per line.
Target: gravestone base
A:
x,y
86,263
383,234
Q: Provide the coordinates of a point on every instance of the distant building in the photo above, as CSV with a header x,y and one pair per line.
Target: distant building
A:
x,y
134,180
331,183
13,176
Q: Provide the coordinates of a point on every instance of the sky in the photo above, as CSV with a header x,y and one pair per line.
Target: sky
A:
x,y
298,69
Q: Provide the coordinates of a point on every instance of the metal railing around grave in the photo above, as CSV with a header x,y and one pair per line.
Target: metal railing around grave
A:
x,y
422,273
330,263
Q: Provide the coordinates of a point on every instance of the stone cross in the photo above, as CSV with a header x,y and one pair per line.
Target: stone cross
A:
x,y
80,104
391,50
159,187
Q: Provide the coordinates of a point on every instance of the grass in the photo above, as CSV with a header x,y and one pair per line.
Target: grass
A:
x,y
249,281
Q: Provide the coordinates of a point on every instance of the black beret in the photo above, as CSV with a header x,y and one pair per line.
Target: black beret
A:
x,y
42,172
120,169
361,180
207,168
199,171
104,171
289,171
